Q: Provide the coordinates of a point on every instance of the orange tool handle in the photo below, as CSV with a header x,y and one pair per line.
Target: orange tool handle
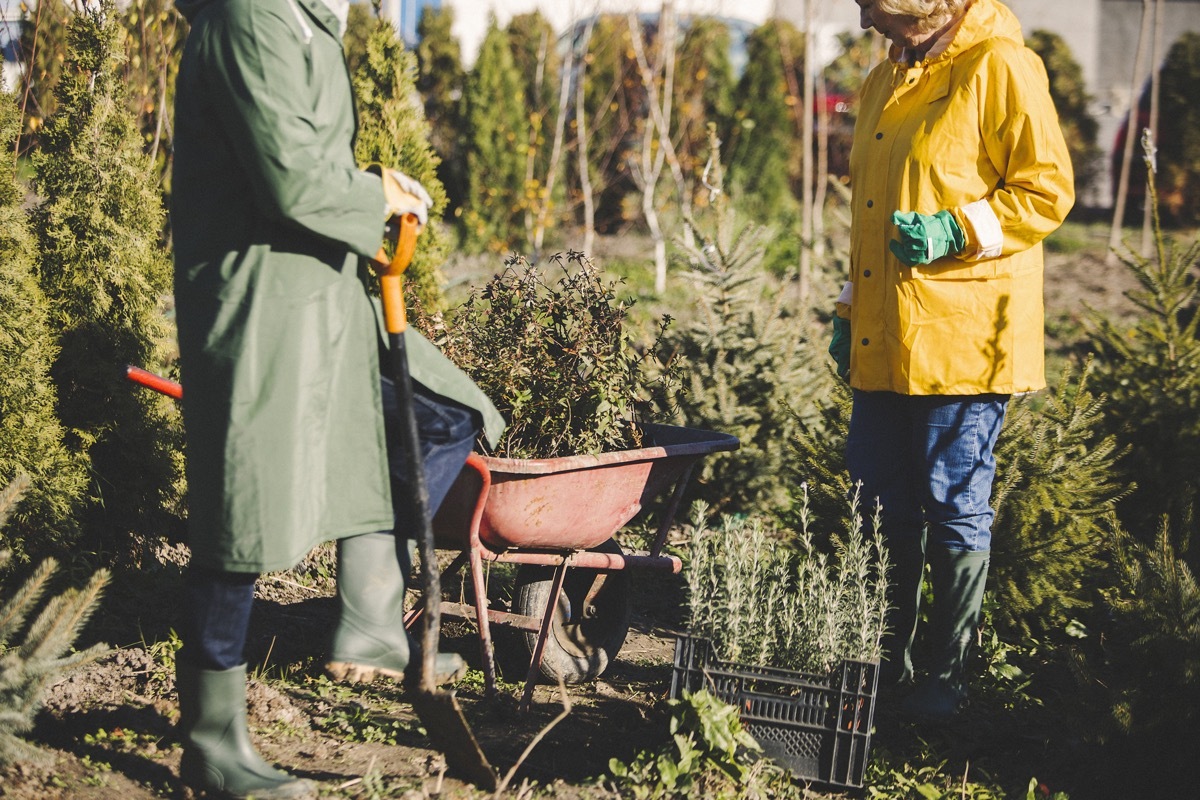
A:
x,y
391,284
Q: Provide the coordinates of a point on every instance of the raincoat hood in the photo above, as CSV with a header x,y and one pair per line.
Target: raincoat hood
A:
x,y
984,19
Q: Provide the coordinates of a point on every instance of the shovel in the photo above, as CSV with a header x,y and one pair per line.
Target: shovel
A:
x,y
438,710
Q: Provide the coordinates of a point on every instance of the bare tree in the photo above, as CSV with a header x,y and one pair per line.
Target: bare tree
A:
x,y
1155,74
1114,238
657,145
581,142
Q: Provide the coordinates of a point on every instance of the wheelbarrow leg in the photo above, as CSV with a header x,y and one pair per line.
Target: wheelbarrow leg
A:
x,y
664,528
487,655
535,664
414,613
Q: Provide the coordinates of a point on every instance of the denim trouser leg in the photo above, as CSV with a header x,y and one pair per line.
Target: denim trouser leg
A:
x,y
216,616
930,460
448,431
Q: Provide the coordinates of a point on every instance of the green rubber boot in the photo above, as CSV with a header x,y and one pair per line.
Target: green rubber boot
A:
x,y
906,575
958,578
219,760
370,641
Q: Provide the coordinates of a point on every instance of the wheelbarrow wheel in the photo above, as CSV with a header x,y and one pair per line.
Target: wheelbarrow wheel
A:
x,y
589,624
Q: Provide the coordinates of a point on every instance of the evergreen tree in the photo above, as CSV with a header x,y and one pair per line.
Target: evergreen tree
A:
x,y
764,145
392,131
105,274
538,62
1179,131
1071,100
1057,480
360,23
704,86
495,154
440,79
1151,374
747,360
31,438
29,667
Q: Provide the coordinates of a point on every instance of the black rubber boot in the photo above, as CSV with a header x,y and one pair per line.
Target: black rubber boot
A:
x,y
370,641
219,760
958,578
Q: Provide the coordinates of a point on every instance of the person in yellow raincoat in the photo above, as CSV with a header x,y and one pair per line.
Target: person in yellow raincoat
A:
x,y
958,171
285,410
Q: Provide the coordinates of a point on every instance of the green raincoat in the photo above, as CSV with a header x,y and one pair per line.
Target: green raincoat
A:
x,y
277,333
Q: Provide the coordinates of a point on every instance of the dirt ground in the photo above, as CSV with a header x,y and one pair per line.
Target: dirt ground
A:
x,y
106,729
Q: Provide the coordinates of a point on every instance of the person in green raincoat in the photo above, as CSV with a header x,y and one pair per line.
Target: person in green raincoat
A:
x,y
958,170
284,407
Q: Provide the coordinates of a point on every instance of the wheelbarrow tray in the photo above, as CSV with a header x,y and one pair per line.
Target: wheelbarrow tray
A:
x,y
572,502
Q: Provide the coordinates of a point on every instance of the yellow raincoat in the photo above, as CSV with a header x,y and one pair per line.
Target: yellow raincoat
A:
x,y
972,130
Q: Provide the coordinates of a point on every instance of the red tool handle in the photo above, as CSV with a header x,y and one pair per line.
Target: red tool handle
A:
x,y
156,382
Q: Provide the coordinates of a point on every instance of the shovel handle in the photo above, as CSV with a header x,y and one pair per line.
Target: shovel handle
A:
x,y
391,276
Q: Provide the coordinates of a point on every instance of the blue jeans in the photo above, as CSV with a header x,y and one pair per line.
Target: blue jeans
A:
x,y
929,460
447,430
216,612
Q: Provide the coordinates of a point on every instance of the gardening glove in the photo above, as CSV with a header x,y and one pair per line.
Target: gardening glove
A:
x,y
925,238
839,346
403,195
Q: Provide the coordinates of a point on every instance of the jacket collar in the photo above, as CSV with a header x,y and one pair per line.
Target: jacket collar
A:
x,y
985,19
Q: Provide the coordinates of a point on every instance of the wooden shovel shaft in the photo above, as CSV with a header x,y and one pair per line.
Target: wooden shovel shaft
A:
x,y
396,321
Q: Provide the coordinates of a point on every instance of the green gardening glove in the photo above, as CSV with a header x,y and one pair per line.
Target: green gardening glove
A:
x,y
925,238
839,346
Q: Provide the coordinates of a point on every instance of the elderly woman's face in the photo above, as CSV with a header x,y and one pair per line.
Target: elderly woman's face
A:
x,y
899,28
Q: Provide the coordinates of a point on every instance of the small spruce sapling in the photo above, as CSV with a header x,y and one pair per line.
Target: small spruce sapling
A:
x,y
27,667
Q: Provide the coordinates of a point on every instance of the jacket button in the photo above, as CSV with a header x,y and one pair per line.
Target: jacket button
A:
x,y
870,204
866,273
866,341
879,136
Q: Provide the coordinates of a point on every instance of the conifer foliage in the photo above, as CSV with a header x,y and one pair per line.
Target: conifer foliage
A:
x,y
393,132
105,273
27,667
31,438
440,78
1056,482
494,116
747,360
1151,373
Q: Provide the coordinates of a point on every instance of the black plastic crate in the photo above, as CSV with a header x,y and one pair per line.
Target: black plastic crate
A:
x,y
818,726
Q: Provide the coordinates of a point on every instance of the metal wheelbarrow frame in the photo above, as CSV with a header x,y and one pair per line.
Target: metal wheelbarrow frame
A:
x,y
561,513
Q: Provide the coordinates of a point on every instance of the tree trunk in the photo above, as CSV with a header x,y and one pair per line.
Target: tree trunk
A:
x,y
1155,74
1131,135
581,142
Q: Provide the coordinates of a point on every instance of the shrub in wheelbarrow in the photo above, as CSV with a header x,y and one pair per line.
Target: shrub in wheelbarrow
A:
x,y
790,635
554,350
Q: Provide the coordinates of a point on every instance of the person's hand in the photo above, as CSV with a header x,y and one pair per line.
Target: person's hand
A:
x,y
404,195
926,237
839,346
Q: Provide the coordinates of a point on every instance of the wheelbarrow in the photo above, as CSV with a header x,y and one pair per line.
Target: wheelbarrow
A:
x,y
555,518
